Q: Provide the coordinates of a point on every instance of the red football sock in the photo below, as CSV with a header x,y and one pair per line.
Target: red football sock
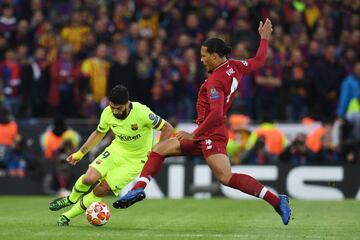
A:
x,y
250,185
150,169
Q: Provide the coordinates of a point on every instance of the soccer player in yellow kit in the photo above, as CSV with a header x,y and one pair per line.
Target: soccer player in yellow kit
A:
x,y
132,124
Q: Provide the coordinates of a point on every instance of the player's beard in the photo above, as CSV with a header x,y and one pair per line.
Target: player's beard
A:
x,y
121,116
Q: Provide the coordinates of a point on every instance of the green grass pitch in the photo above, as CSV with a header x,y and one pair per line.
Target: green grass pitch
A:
x,y
217,218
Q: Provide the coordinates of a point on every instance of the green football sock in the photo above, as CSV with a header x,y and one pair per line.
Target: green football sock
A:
x,y
81,206
79,189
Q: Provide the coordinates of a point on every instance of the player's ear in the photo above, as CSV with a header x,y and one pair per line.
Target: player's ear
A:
x,y
214,56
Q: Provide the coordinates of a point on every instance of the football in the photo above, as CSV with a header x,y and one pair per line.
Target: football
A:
x,y
98,214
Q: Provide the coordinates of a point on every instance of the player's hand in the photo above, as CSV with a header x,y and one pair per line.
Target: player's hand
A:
x,y
265,29
182,135
75,157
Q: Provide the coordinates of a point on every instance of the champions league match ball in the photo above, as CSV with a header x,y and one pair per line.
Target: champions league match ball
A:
x,y
98,214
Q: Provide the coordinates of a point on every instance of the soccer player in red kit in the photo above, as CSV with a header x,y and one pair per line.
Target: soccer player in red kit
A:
x,y
210,137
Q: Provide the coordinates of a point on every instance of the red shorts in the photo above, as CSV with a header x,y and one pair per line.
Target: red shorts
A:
x,y
212,143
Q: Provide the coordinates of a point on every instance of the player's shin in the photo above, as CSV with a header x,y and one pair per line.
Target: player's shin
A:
x,y
81,206
79,189
250,185
150,169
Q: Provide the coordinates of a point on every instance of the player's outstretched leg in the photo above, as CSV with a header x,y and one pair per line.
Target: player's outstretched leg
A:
x,y
63,221
283,208
81,206
60,203
78,190
130,198
137,193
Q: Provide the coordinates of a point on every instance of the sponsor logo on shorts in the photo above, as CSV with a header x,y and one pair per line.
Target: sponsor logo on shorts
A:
x,y
134,127
98,161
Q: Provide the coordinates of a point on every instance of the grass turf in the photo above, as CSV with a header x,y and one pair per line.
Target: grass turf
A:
x,y
217,218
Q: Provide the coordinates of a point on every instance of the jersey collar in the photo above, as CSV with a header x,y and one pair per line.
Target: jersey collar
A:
x,y
217,68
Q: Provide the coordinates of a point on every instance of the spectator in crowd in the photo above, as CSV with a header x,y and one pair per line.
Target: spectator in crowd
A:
x,y
238,137
57,141
8,133
166,76
350,88
268,82
11,82
75,32
186,88
27,79
17,161
123,71
39,87
326,82
350,133
297,152
64,92
144,70
272,143
314,139
296,86
7,21
328,153
95,70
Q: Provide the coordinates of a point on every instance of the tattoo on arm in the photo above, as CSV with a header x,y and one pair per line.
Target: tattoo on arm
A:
x,y
84,150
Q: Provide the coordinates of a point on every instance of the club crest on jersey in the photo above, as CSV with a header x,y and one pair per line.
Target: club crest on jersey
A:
x,y
230,71
214,94
134,127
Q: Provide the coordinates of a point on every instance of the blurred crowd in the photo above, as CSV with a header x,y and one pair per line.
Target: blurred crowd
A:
x,y
62,57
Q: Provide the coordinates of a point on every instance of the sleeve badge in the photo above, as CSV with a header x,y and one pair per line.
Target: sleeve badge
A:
x,y
214,94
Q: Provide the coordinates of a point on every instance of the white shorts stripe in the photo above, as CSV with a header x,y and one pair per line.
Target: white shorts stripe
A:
x,y
263,192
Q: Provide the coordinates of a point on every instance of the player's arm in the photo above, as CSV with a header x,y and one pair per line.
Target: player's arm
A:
x,y
166,131
94,139
156,122
258,61
216,99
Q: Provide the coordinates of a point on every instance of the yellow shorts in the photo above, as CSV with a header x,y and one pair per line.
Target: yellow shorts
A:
x,y
116,169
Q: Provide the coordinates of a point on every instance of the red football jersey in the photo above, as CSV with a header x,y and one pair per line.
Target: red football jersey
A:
x,y
217,93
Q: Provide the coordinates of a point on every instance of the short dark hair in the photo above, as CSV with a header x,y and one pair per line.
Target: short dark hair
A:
x,y
216,45
119,95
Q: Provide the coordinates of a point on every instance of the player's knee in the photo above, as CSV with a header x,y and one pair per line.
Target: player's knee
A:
x,y
101,189
89,180
223,178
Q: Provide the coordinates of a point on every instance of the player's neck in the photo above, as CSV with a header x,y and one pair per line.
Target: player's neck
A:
x,y
219,63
